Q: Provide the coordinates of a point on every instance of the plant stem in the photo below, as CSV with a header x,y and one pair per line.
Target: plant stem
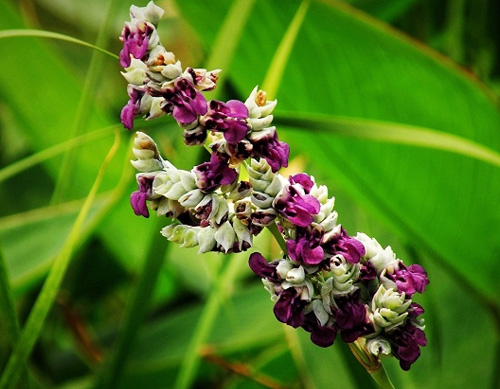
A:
x,y
372,364
273,228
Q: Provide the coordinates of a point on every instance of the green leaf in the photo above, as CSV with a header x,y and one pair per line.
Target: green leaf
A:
x,y
404,108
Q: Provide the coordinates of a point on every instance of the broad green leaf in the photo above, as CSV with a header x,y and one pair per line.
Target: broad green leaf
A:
x,y
346,64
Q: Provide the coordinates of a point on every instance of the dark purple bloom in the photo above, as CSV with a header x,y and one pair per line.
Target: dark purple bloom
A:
x,y
210,175
405,344
368,272
414,311
351,317
323,336
296,204
195,136
289,308
305,248
271,149
228,118
409,279
135,40
132,108
138,198
262,268
350,248
184,102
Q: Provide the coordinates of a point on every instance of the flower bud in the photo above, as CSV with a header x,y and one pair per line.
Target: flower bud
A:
x,y
344,275
225,236
147,154
258,105
151,13
389,308
378,346
243,234
206,239
186,236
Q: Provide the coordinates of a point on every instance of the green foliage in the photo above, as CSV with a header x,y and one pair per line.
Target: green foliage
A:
x,y
406,140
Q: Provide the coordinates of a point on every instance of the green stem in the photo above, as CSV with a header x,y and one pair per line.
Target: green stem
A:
x,y
47,295
273,228
219,292
381,378
372,364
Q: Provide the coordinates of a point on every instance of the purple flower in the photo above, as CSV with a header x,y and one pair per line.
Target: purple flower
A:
x,y
350,248
351,317
305,248
271,149
184,102
132,108
289,308
262,268
410,279
368,272
135,38
228,118
303,180
138,198
210,175
405,344
323,336
296,204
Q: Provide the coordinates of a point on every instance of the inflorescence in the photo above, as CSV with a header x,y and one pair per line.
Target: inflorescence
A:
x,y
327,282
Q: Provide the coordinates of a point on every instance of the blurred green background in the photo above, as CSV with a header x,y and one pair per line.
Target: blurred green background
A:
x,y
393,104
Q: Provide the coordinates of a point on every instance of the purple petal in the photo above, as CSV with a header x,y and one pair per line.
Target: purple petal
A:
x,y
313,256
419,276
303,179
127,115
238,109
261,267
301,219
138,202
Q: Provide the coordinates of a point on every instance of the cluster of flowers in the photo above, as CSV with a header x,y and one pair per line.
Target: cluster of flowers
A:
x,y
327,282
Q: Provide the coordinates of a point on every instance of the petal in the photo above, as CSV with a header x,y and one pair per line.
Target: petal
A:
x,y
238,109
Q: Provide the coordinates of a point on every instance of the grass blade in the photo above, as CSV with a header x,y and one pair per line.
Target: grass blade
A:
x,y
227,40
392,133
41,156
275,72
7,306
51,35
